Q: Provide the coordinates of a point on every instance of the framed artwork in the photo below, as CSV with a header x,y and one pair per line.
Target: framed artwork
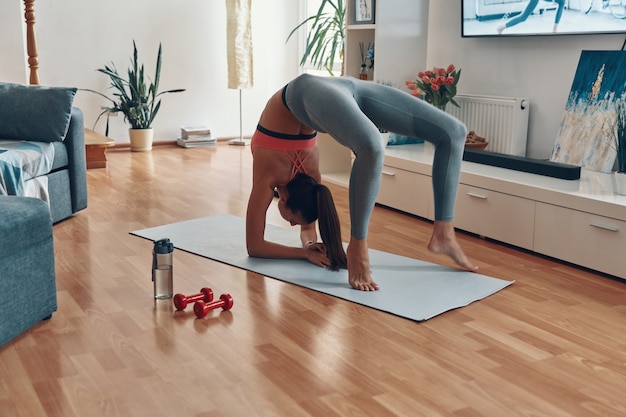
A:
x,y
588,133
364,11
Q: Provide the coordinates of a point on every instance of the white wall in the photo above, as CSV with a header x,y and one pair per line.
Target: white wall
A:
x,y
194,47
75,37
12,45
541,68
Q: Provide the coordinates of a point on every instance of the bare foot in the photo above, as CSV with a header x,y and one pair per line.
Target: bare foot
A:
x,y
443,241
359,275
500,29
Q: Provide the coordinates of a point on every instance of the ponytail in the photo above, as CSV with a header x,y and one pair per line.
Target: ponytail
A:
x,y
315,202
330,229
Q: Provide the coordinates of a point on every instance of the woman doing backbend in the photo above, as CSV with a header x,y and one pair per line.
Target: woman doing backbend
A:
x,y
530,7
286,159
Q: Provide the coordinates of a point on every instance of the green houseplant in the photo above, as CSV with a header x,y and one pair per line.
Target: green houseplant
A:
x,y
326,36
135,99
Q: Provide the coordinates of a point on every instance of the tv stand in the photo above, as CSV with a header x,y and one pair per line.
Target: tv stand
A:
x,y
582,222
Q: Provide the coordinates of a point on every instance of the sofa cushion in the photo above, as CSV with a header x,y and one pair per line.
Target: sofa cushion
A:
x,y
61,158
34,112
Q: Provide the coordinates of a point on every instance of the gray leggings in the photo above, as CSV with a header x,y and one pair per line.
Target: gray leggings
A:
x,y
352,111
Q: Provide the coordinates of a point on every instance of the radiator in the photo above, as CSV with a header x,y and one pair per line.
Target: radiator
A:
x,y
503,121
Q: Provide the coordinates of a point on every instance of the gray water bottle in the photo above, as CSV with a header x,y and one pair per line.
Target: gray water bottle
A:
x,y
162,269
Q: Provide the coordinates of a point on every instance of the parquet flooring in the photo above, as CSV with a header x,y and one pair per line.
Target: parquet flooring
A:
x,y
553,344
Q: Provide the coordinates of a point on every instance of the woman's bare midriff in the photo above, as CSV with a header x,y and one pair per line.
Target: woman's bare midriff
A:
x,y
276,117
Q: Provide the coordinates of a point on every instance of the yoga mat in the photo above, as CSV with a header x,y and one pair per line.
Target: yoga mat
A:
x,y
409,288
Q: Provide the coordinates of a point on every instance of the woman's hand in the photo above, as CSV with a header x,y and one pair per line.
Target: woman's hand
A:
x,y
316,254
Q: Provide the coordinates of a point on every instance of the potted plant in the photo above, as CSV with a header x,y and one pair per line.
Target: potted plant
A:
x,y
137,101
325,40
620,146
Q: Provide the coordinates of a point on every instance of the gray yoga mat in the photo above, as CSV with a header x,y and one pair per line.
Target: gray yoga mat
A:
x,y
410,288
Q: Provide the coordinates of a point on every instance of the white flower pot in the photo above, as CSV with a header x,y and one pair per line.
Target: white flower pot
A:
x,y
141,139
620,183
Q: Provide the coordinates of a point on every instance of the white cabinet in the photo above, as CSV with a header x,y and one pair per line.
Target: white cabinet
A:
x,y
581,238
582,222
406,191
495,215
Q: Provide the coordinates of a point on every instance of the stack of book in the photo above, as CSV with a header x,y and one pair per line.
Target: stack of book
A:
x,y
195,137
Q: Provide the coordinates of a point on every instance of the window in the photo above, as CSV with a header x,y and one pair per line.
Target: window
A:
x,y
310,8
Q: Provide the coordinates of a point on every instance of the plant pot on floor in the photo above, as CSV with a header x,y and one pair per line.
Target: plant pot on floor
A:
x,y
620,183
141,139
138,102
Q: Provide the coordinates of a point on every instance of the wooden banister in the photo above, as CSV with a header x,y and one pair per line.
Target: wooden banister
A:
x,y
31,41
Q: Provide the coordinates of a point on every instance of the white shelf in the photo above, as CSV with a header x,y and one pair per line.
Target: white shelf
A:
x,y
593,193
368,26
579,221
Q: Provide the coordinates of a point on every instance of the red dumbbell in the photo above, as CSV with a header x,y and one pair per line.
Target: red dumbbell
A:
x,y
181,300
201,308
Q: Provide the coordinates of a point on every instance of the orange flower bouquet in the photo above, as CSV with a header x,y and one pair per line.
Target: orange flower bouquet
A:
x,y
436,86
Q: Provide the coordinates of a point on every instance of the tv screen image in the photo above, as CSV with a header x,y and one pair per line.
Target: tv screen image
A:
x,y
541,17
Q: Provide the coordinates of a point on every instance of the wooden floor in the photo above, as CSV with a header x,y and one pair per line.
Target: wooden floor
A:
x,y
553,344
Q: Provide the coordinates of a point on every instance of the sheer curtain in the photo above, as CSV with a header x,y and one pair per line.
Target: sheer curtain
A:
x,y
239,44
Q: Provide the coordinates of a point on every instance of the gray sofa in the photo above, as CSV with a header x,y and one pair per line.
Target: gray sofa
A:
x,y
45,117
42,155
67,180
27,273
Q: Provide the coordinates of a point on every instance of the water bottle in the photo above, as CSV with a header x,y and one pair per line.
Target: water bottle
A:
x,y
162,269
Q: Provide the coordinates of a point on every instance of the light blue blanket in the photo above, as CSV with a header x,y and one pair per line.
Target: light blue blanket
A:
x,y
21,161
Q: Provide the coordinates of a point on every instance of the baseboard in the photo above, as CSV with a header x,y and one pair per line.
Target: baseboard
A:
x,y
520,163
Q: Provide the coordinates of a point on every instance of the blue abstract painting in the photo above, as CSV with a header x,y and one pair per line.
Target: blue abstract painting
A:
x,y
588,133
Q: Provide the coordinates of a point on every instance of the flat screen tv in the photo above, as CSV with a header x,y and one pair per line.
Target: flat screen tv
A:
x,y
540,17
